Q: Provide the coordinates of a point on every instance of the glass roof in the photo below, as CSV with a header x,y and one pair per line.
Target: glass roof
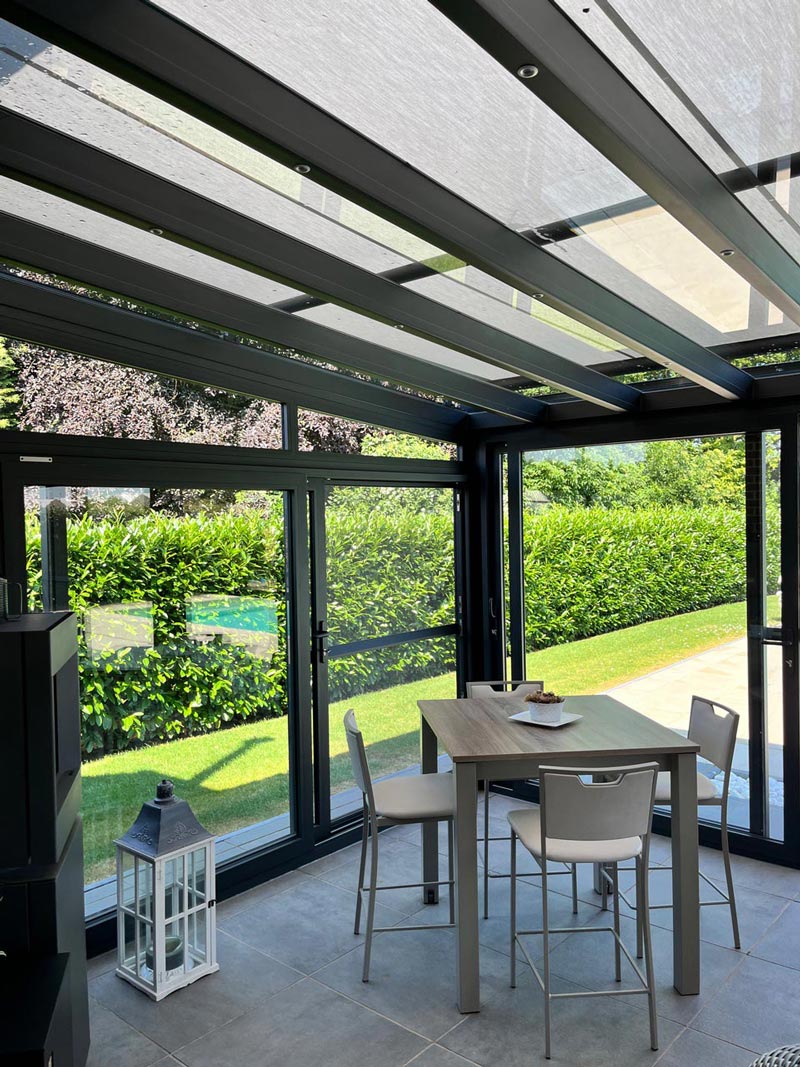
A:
x,y
68,94
408,79
460,118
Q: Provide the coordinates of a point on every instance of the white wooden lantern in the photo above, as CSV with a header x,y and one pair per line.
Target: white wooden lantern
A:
x,y
166,935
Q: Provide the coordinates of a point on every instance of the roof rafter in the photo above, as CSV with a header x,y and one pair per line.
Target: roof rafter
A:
x,y
41,314
163,56
106,183
46,248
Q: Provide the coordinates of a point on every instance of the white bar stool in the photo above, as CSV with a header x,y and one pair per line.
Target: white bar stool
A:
x,y
604,821
417,798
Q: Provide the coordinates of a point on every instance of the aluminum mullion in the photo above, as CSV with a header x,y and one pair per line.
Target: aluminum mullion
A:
x,y
42,248
105,183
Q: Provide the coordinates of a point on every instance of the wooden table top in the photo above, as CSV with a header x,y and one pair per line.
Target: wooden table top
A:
x,y
478,729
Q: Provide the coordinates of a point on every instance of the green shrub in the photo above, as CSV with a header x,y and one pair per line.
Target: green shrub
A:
x,y
588,571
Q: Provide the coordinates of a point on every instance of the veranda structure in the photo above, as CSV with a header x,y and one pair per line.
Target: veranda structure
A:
x,y
509,226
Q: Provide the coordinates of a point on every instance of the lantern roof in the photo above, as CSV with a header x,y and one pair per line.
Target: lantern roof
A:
x,y
164,825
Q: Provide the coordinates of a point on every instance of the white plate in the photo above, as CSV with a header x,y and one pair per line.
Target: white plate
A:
x,y
529,719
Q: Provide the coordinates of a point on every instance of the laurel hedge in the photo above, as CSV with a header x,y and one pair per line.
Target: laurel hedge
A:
x,y
587,571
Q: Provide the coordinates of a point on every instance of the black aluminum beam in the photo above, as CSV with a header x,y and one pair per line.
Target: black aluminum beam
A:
x,y
146,46
581,85
43,315
42,248
104,182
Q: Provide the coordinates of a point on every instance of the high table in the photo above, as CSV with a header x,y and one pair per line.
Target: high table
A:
x,y
484,745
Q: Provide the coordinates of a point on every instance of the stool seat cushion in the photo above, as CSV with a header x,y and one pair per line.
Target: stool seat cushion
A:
x,y
415,797
527,825
706,789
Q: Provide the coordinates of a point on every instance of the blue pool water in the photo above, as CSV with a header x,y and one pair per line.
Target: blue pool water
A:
x,y
235,613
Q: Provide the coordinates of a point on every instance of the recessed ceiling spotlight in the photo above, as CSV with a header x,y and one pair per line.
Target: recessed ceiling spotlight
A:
x,y
303,168
156,232
528,70
399,326
537,296
728,252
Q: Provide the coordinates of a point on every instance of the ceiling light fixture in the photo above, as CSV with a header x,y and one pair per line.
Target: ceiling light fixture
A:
x,y
528,70
303,168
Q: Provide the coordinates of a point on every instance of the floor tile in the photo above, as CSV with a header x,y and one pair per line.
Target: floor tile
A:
x,y
412,979
98,965
756,1008
308,1025
588,959
269,889
693,1049
398,862
305,927
781,942
245,977
113,1041
603,1032
436,1056
756,911
753,874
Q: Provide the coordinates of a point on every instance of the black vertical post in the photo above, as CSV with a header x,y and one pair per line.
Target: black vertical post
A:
x,y
291,431
319,670
790,612
460,569
755,560
298,650
516,577
53,520
484,524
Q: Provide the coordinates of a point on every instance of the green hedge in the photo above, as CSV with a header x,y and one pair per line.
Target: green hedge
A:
x,y
589,571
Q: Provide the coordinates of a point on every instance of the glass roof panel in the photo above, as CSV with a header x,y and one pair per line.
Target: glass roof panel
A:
x,y
66,217
724,75
459,117
62,91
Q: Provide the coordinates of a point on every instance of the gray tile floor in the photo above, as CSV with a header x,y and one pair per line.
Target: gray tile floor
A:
x,y
289,989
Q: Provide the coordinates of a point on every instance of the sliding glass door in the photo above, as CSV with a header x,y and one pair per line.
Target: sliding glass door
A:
x,y
386,626
660,570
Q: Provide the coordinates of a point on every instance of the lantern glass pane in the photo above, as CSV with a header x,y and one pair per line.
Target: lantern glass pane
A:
x,y
146,935
144,875
174,938
129,941
174,884
197,877
197,928
127,882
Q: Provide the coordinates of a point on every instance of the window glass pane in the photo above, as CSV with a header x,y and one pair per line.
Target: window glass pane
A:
x,y
635,581
180,596
390,562
383,686
58,392
328,433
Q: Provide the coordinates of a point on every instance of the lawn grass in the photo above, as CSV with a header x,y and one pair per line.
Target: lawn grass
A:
x,y
236,777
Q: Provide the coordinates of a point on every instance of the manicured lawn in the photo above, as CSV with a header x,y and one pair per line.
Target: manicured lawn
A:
x,y
239,776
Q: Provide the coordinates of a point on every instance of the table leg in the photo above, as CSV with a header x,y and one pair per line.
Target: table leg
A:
x,y
429,760
685,878
467,958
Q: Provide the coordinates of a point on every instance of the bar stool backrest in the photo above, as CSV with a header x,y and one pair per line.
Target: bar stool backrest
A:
x,y
358,756
574,809
713,727
502,689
